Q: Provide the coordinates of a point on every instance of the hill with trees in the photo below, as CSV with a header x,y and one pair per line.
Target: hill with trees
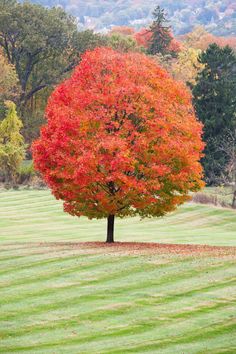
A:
x,y
41,45
219,17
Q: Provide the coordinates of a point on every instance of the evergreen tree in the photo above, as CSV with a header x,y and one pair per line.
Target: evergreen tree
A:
x,y
160,33
215,102
12,147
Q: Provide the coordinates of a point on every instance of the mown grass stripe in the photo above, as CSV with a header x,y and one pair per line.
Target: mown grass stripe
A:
x,y
123,305
126,309
37,278
170,266
204,333
138,329
49,261
124,290
177,227
221,350
102,314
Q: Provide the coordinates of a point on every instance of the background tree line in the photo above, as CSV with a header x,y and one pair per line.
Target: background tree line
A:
x,y
41,46
217,16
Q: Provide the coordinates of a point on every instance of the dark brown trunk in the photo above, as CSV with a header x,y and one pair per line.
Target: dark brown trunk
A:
x,y
234,201
110,228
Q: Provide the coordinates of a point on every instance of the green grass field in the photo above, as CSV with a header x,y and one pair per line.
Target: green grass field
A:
x,y
60,297
36,216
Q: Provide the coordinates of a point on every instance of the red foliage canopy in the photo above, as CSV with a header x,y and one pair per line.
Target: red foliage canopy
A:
x,y
121,138
143,37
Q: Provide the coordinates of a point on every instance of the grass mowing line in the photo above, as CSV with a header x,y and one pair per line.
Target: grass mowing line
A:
x,y
7,258
165,226
148,266
232,350
63,259
153,322
127,259
13,250
200,346
87,298
25,255
132,328
57,273
195,293
190,293
58,234
37,213
44,204
134,307
143,284
12,246
51,290
202,309
37,257
31,266
178,275
33,198
24,214
199,306
25,203
118,312
31,246
21,196
102,314
12,202
110,276
205,332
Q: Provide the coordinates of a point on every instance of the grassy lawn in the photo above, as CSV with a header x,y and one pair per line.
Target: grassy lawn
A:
x,y
36,216
67,298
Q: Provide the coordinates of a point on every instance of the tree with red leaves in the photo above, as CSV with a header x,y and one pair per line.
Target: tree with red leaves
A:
x,y
143,37
121,139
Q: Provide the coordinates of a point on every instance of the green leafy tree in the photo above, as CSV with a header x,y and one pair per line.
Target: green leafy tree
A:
x,y
42,43
160,38
215,102
122,43
12,147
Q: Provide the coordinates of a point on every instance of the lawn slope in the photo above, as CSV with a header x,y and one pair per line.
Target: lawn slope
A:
x,y
36,216
60,295
69,298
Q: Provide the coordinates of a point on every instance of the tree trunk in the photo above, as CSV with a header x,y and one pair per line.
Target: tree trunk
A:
x,y
110,228
234,200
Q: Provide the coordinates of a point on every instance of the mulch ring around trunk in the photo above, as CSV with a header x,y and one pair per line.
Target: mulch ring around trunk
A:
x,y
136,248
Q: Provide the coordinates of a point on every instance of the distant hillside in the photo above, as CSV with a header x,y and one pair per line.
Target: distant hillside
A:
x,y
219,17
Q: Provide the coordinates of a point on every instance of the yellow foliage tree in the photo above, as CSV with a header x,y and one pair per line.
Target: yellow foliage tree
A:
x,y
199,38
8,79
186,67
12,146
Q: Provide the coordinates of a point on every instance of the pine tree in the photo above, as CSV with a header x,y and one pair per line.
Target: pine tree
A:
x,y
12,147
215,102
160,33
